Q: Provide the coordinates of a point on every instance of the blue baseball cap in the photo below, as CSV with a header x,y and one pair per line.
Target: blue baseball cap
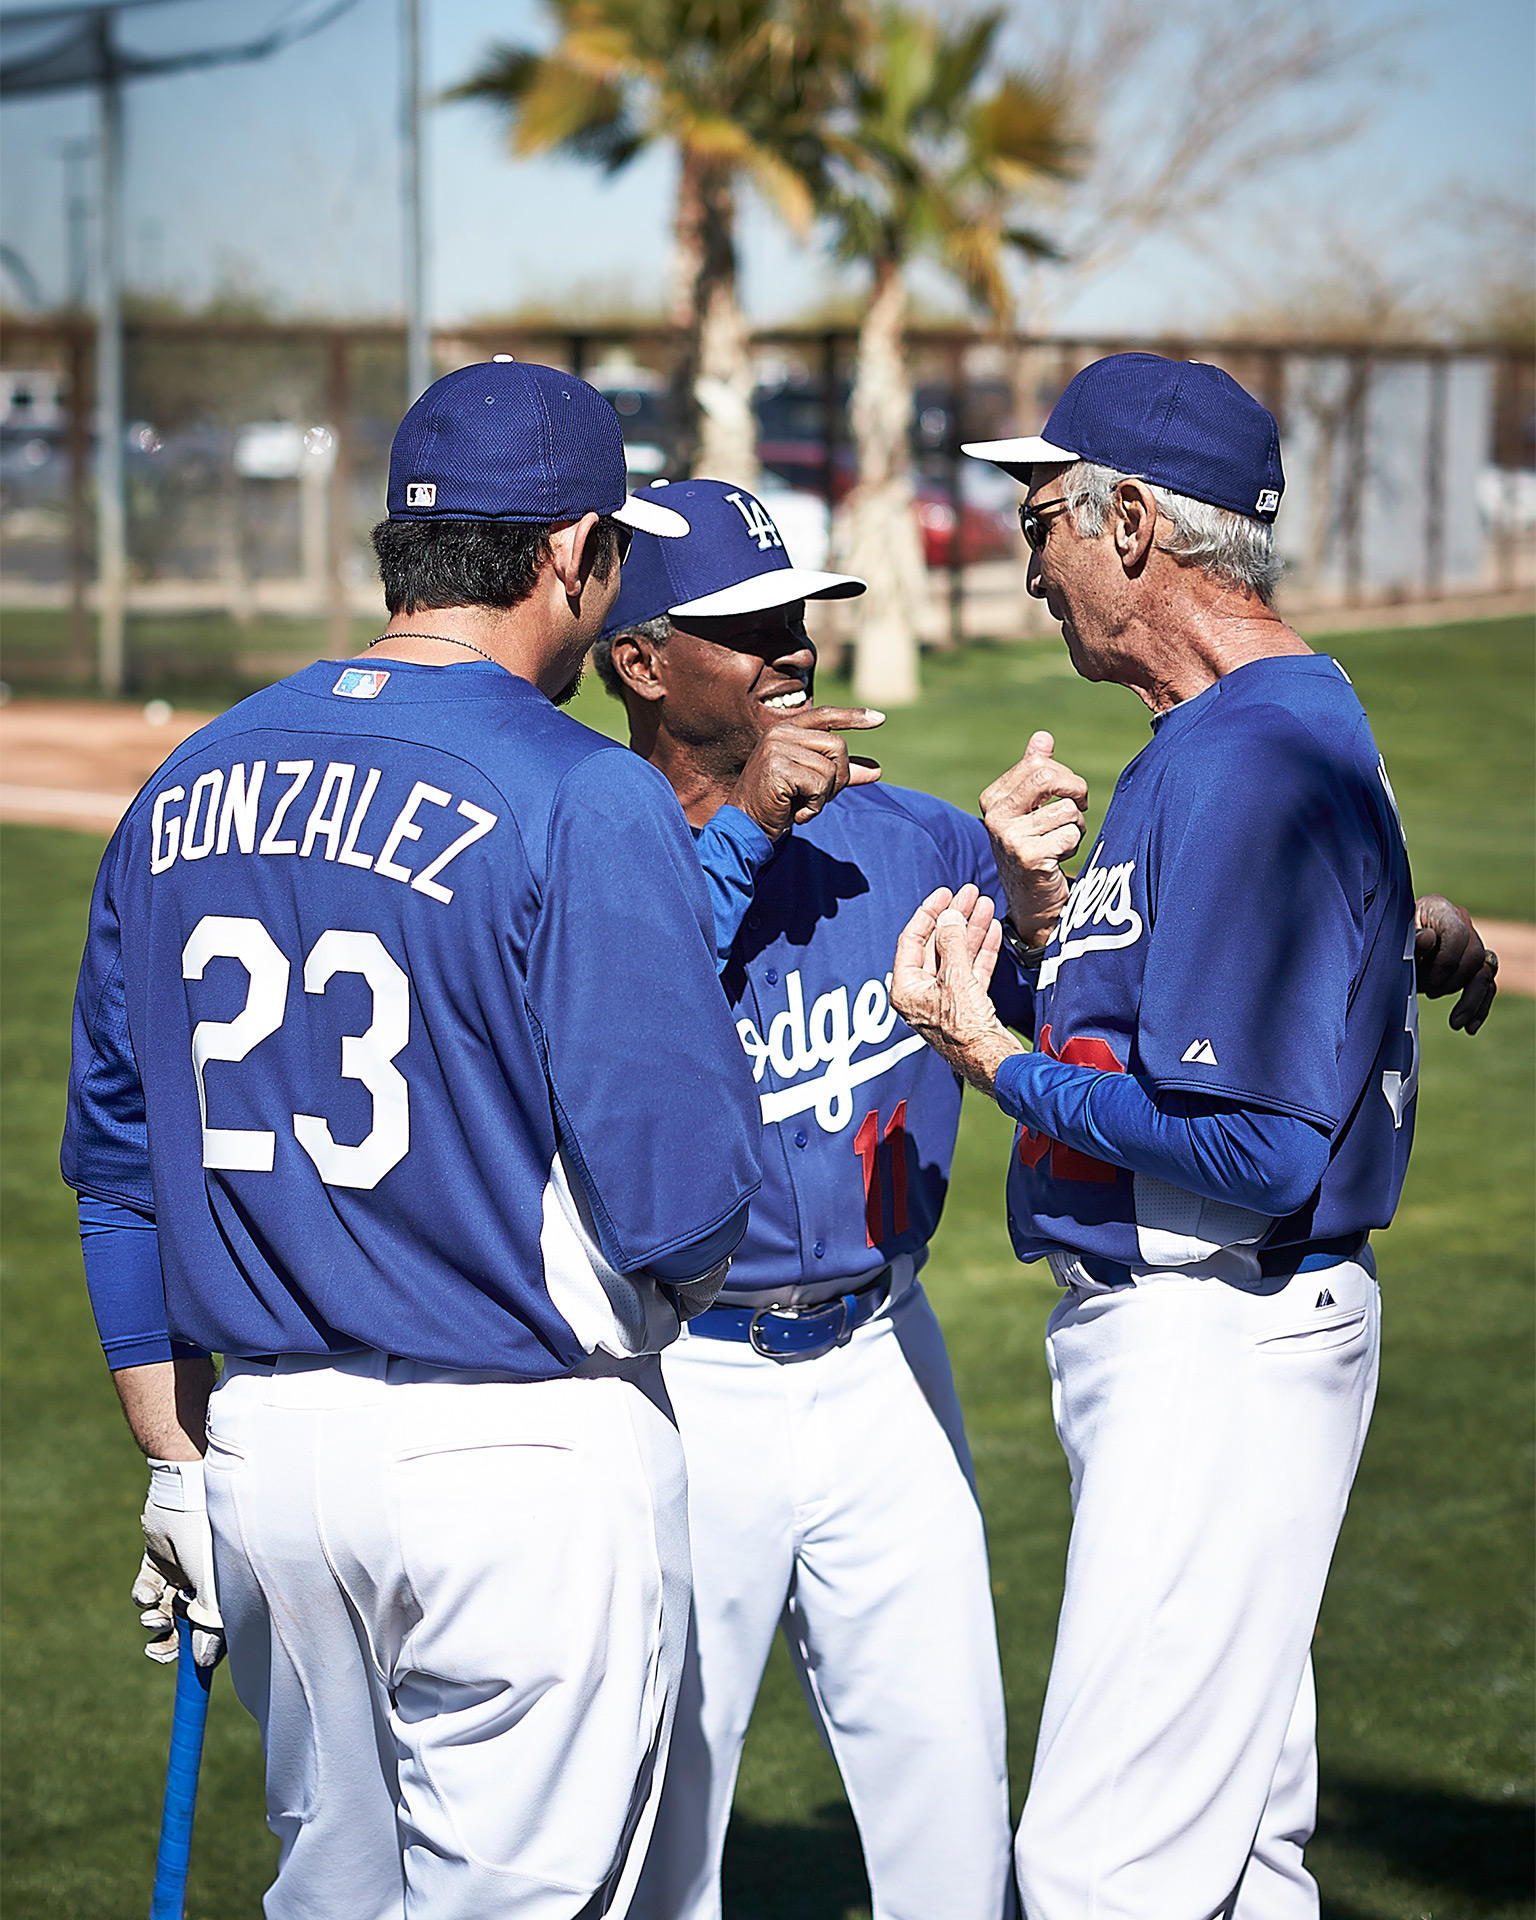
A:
x,y
506,440
733,560
1181,424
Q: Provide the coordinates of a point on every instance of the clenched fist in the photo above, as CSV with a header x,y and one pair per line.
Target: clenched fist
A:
x,y
1034,813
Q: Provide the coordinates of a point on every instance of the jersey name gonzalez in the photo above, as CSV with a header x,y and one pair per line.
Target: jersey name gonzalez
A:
x,y
224,809
829,1038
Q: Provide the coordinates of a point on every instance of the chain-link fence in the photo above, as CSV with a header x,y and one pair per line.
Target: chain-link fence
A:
x,y
256,458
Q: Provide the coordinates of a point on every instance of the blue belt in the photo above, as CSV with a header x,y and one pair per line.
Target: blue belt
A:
x,y
1306,1258
787,1334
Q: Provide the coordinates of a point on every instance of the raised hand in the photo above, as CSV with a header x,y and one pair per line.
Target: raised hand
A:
x,y
800,764
1034,813
1450,958
943,967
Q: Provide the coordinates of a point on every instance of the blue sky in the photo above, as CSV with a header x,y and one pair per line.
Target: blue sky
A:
x,y
283,176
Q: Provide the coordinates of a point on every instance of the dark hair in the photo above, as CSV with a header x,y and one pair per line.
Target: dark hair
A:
x,y
473,563
656,630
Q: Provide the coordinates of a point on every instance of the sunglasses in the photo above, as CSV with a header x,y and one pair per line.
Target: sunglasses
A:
x,y
624,534
1034,524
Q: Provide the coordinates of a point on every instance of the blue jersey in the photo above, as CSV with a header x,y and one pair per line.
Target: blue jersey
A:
x,y
1243,929
859,1114
399,1010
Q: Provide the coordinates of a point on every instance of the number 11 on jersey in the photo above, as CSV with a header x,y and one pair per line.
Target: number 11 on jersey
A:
x,y
866,1144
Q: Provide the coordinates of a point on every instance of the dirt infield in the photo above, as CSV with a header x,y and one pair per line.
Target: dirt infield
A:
x,y
78,763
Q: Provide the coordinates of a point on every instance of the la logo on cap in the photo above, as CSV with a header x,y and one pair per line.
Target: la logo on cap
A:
x,y
755,514
421,493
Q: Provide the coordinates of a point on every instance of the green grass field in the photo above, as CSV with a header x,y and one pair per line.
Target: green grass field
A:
x,y
1424,1652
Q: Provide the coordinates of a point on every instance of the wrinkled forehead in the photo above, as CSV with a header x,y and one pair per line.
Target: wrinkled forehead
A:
x,y
1043,477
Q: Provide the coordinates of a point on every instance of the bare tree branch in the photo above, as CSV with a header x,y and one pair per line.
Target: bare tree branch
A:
x,y
1188,102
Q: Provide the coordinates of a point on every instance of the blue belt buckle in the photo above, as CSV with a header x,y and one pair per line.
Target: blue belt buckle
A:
x,y
802,1336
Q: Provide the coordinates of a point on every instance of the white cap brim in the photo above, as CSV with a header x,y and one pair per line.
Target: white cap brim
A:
x,y
1019,457
647,517
778,588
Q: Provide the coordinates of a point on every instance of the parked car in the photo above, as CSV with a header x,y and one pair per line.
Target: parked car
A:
x,y
791,430
985,413
638,395
988,512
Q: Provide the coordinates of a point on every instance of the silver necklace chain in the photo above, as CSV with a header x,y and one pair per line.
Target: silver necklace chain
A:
x,y
448,639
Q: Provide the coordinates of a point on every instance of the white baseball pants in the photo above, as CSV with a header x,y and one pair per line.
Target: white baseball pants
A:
x,y
457,1606
835,1496
1213,1430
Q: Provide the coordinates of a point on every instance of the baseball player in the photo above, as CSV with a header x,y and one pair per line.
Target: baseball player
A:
x,y
398,1003
1217,1113
830,1486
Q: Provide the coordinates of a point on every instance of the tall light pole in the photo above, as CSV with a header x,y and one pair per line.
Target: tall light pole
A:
x,y
76,155
111,507
418,336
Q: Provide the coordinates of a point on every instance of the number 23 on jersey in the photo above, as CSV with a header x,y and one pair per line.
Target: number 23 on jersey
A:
x,y
367,1057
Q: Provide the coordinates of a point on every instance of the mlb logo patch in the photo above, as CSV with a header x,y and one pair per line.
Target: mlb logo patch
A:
x,y
361,683
1267,501
421,493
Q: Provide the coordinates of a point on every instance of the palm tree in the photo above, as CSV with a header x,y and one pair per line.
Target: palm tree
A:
x,y
742,88
944,169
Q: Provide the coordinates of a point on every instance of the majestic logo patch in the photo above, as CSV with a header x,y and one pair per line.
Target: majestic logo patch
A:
x,y
761,528
361,683
1201,1053
421,493
1325,1298
1101,897
1267,501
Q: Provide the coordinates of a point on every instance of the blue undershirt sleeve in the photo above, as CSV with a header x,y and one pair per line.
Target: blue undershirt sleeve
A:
x,y
1219,1149
122,1270
733,850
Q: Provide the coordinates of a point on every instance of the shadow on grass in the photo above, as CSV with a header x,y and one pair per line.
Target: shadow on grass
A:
x,y
1451,1843
810,1871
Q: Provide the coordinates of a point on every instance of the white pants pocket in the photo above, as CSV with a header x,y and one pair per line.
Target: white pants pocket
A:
x,y
1339,1330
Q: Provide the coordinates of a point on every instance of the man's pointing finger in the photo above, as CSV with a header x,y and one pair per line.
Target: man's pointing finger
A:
x,y
838,717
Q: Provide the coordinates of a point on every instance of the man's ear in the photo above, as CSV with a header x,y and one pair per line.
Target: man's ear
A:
x,y
636,660
1135,524
567,550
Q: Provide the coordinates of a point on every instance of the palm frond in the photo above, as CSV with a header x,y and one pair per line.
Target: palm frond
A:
x,y
1027,125
1034,245
960,59
785,186
712,135
567,107
503,76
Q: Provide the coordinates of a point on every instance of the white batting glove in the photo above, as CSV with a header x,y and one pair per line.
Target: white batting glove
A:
x,y
178,1558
